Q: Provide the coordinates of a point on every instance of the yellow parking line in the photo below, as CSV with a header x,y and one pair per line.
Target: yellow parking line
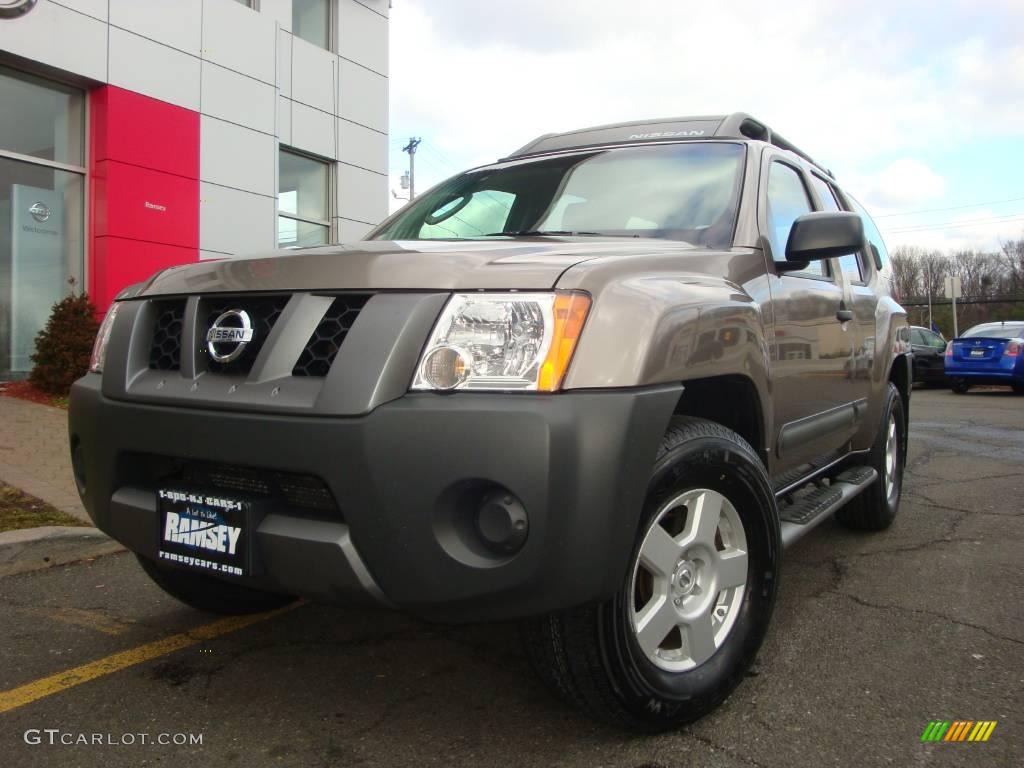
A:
x,y
48,686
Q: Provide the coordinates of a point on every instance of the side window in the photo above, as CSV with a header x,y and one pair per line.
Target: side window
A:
x,y
850,264
917,338
873,236
787,201
933,340
483,213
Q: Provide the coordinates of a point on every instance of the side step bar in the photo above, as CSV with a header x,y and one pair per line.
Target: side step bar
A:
x,y
811,510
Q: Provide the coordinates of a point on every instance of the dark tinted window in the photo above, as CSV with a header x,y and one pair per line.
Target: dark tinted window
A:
x,y
787,201
873,236
996,331
850,263
681,191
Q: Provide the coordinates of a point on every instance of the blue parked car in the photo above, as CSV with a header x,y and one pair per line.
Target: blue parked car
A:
x,y
990,353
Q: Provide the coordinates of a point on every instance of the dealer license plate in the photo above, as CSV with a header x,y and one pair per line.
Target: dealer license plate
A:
x,y
977,353
204,531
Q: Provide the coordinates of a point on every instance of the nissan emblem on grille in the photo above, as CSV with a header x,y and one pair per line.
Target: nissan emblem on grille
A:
x,y
229,335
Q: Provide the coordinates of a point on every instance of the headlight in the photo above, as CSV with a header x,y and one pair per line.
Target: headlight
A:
x,y
508,341
99,347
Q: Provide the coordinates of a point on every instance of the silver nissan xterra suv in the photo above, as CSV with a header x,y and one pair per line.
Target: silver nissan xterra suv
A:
x,y
597,386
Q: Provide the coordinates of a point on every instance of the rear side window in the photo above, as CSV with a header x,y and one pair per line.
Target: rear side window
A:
x,y
873,236
849,264
995,331
787,201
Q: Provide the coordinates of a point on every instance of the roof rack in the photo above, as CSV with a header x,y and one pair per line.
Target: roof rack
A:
x,y
738,125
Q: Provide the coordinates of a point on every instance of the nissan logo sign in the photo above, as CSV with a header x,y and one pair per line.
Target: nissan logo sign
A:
x,y
229,335
12,9
40,212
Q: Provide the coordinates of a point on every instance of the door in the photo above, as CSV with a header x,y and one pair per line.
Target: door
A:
x,y
929,355
859,297
812,348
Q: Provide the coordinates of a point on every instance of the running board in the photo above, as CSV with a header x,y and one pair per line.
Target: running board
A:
x,y
809,511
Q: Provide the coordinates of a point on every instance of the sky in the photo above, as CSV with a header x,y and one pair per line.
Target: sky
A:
x,y
916,107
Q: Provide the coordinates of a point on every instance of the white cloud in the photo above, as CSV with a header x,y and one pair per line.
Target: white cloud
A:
x,y
856,85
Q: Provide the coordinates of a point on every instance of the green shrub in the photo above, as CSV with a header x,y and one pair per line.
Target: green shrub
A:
x,y
63,347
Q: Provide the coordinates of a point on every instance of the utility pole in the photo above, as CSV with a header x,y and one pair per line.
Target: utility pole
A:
x,y
411,149
928,267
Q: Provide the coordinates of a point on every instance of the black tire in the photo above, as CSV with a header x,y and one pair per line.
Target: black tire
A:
x,y
1018,389
207,593
590,655
959,386
876,507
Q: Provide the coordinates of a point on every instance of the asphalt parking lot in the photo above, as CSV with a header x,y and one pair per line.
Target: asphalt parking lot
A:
x,y
873,637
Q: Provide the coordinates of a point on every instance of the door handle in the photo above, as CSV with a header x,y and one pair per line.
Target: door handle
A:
x,y
843,314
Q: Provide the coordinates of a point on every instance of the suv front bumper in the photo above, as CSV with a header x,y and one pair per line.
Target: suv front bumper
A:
x,y
404,478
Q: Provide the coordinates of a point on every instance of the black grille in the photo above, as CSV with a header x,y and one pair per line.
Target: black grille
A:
x,y
165,352
263,311
289,489
323,345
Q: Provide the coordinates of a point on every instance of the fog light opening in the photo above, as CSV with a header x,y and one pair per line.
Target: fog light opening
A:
x,y
502,523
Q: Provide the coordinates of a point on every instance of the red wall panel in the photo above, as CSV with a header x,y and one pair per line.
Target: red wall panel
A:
x,y
143,204
143,188
136,129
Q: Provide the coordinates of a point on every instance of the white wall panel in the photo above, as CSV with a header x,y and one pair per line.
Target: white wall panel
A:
x,y
177,24
279,10
284,120
313,75
361,146
362,96
55,35
312,130
362,36
350,231
98,9
362,195
284,63
237,98
380,6
235,222
152,69
237,38
237,157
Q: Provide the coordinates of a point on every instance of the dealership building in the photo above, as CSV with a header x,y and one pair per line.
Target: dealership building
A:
x,y
140,134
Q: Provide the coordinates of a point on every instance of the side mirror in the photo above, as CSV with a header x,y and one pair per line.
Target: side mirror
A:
x,y
823,235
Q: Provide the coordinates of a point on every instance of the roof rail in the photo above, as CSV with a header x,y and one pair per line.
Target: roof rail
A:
x,y
738,125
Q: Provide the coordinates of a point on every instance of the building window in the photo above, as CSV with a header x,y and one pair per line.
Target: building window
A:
x,y
311,20
303,201
42,209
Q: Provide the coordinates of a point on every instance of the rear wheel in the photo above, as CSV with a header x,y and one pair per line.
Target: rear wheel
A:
x,y
209,594
875,508
695,603
959,386
1018,389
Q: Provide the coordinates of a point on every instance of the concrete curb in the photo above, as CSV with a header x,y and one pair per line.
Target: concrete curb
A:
x,y
32,549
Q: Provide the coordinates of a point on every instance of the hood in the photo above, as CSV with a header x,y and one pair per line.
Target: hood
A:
x,y
524,264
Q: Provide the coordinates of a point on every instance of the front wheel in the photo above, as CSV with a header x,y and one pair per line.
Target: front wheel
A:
x,y
695,602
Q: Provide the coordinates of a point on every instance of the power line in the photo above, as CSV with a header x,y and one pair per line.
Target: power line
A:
x,y
959,224
951,208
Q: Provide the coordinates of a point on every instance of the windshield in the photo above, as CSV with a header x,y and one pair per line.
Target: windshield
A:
x,y
677,191
996,331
